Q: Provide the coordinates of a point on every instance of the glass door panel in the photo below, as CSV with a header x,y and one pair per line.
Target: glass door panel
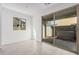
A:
x,y
60,29
48,31
65,31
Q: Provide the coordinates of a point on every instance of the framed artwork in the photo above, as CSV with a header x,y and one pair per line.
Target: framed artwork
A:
x,y
19,23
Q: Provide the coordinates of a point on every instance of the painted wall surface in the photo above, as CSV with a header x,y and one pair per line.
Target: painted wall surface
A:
x,y
37,27
8,34
36,20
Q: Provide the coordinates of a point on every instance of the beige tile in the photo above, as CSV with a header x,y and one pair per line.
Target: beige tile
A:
x,y
32,47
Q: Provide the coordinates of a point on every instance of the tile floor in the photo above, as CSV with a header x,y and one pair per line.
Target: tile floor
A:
x,y
32,47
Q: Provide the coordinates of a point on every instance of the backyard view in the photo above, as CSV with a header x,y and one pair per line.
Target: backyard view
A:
x,y
62,22
62,30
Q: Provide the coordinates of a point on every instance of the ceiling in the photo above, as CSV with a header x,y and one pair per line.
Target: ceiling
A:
x,y
37,7
31,6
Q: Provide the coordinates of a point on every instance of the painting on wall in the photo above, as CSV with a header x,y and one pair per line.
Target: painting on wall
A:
x,y
19,23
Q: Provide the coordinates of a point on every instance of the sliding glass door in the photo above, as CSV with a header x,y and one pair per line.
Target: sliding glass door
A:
x,y
48,31
65,30
60,29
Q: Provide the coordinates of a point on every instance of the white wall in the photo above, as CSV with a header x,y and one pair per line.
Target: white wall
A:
x,y
36,20
8,34
37,27
33,26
